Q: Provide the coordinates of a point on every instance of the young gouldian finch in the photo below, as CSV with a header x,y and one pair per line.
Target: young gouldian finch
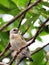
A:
x,y
17,42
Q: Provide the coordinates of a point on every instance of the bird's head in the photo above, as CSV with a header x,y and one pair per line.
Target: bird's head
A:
x,y
14,31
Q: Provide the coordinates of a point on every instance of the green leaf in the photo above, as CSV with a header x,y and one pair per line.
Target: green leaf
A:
x,y
45,3
38,58
12,9
1,22
21,4
39,39
4,37
5,3
43,33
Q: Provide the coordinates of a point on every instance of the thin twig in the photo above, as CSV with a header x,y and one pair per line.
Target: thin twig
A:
x,y
30,38
26,30
20,14
39,49
37,33
23,16
7,47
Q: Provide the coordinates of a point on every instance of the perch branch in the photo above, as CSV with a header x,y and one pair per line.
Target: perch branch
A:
x,y
37,33
20,14
35,52
30,38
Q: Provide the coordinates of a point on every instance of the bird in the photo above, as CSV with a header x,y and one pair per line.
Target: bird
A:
x,y
17,41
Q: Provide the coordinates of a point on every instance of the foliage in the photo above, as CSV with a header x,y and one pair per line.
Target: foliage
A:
x,y
13,7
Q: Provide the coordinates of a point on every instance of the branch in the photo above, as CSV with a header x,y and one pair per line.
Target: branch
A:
x,y
22,17
39,49
31,38
19,26
37,33
7,47
34,52
20,14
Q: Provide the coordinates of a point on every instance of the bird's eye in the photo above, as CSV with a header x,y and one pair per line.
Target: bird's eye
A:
x,y
14,30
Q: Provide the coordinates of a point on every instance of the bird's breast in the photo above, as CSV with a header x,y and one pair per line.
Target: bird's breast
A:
x,y
15,44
